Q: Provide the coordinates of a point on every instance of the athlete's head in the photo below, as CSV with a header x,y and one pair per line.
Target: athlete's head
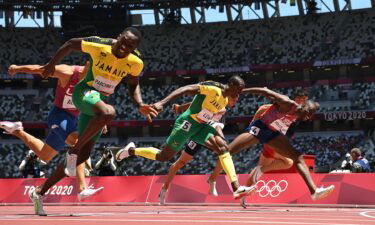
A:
x,y
355,153
306,110
234,88
301,96
127,42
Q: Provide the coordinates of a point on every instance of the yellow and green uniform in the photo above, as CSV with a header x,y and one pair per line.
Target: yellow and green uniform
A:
x,y
105,72
193,123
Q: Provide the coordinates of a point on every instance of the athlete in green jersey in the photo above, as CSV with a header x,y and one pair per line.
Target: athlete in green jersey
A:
x,y
209,100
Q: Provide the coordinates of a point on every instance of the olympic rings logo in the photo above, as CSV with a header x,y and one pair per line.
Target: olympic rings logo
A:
x,y
271,188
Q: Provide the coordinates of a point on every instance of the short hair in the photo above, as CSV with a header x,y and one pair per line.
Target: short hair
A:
x,y
311,106
236,81
356,151
134,31
301,93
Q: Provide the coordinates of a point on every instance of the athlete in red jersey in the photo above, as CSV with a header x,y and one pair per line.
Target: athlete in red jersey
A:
x,y
270,128
62,119
269,160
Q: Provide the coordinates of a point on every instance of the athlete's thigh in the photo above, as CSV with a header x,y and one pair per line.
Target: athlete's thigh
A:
x,y
184,157
83,121
167,153
72,138
283,158
55,140
61,124
204,134
182,131
241,142
264,161
282,146
86,99
191,148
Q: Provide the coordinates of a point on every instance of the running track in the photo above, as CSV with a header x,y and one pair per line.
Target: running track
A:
x,y
184,215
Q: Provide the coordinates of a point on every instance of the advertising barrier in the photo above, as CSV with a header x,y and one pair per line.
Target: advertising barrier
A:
x,y
278,188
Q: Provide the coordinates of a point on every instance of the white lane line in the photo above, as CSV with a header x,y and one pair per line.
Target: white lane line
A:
x,y
171,221
351,219
149,189
365,213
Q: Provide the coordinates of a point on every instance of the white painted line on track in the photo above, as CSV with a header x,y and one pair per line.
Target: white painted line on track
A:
x,y
365,214
171,221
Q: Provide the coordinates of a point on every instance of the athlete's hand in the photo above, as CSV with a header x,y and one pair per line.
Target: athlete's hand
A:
x,y
158,107
176,108
12,70
48,70
105,129
148,111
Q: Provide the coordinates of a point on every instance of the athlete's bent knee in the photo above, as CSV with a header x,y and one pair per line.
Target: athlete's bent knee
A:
x,y
108,112
288,163
111,111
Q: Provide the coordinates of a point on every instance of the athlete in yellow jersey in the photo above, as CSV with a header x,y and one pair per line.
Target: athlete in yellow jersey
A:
x,y
110,61
210,99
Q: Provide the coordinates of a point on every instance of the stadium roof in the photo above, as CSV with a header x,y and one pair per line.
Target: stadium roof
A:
x,y
145,4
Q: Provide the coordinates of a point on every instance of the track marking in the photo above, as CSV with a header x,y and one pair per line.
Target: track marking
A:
x,y
172,221
365,214
149,189
276,217
78,214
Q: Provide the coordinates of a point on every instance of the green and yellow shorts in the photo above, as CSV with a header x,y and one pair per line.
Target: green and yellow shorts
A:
x,y
84,98
186,128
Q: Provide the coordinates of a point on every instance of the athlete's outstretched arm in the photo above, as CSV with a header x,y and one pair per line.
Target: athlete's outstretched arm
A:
x,y
282,100
135,93
178,109
73,44
192,89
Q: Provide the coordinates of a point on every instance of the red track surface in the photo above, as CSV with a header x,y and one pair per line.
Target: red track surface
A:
x,y
184,215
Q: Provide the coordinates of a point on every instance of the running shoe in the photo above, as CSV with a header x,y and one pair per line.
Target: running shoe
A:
x,y
322,192
162,196
124,153
70,165
38,203
10,127
212,190
243,191
88,192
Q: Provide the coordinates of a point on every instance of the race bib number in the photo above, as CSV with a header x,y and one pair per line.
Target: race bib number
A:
x,y
104,85
186,126
205,115
254,130
280,126
68,102
192,144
